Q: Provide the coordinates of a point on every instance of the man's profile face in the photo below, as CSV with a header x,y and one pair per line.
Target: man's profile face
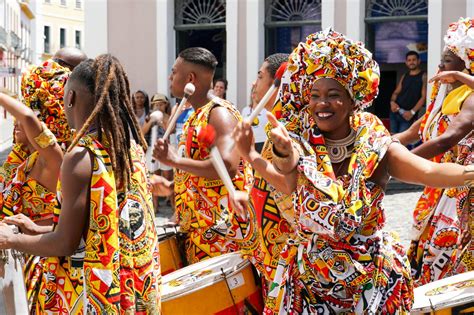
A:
x,y
263,82
412,62
178,77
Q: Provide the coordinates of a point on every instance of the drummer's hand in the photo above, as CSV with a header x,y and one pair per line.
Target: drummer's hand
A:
x,y
6,236
165,153
279,135
25,224
160,186
244,140
239,203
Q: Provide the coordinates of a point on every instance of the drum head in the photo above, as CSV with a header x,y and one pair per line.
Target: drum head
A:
x,y
200,275
446,293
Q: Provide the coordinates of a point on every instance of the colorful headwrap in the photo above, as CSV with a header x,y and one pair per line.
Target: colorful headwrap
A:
x,y
326,54
460,40
42,88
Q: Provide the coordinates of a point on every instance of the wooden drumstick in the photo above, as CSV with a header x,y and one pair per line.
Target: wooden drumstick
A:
x,y
261,105
188,91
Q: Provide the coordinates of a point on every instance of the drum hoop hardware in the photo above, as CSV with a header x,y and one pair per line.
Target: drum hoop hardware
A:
x,y
228,289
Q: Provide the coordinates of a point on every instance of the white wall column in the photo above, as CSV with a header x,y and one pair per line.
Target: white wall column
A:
x,y
355,17
255,42
328,11
435,36
470,8
95,27
165,43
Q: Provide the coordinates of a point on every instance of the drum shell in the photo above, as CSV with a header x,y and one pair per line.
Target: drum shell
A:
x,y
12,284
170,257
214,298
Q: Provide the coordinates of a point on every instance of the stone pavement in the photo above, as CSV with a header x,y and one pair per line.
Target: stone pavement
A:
x,y
399,202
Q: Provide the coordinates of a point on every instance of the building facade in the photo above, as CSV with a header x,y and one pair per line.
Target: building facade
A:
x,y
16,21
146,35
59,23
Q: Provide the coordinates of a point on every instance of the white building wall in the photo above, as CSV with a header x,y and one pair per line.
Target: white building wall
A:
x,y
95,27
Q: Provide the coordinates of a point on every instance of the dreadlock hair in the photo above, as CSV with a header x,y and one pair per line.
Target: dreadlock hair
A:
x,y
199,56
274,61
146,105
113,113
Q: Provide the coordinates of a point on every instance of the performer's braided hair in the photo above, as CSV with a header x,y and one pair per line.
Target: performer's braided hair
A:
x,y
105,78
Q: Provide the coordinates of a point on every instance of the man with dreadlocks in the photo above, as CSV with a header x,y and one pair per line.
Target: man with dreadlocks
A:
x,y
98,261
202,202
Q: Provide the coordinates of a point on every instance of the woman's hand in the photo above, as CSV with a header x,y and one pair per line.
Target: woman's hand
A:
x,y
6,236
244,140
281,140
445,77
25,224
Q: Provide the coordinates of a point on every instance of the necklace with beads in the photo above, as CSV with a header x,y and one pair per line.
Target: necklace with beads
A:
x,y
341,149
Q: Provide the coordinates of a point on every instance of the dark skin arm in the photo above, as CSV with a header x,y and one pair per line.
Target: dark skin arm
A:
x,y
50,158
63,241
461,125
224,123
411,134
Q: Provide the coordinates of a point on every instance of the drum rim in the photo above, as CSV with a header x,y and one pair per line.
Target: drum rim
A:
x,y
235,270
467,276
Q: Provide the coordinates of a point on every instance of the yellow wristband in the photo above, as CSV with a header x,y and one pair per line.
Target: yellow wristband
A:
x,y
45,138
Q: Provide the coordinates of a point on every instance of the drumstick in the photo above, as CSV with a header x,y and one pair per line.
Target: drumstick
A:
x,y
188,91
266,97
261,105
207,136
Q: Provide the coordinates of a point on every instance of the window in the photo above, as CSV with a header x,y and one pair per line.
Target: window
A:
x,y
63,2
62,37
47,1
47,38
78,4
289,22
78,39
202,23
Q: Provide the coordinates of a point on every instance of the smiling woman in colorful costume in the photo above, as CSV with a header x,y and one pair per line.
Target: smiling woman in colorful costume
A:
x,y
442,241
336,160
40,127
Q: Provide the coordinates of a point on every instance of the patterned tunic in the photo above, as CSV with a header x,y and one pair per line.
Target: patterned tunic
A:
x,y
25,195
115,270
444,218
275,221
340,260
203,207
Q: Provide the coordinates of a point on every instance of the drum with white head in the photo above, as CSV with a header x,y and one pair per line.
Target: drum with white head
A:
x,y
224,284
453,295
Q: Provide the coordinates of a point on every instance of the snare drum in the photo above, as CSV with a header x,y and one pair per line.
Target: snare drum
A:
x,y
12,285
453,295
225,284
170,255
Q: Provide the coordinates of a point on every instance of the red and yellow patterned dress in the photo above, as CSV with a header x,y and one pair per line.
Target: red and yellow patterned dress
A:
x,y
275,220
339,260
115,270
203,207
442,243
16,156
25,195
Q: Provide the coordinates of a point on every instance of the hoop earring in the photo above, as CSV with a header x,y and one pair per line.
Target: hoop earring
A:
x,y
69,105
